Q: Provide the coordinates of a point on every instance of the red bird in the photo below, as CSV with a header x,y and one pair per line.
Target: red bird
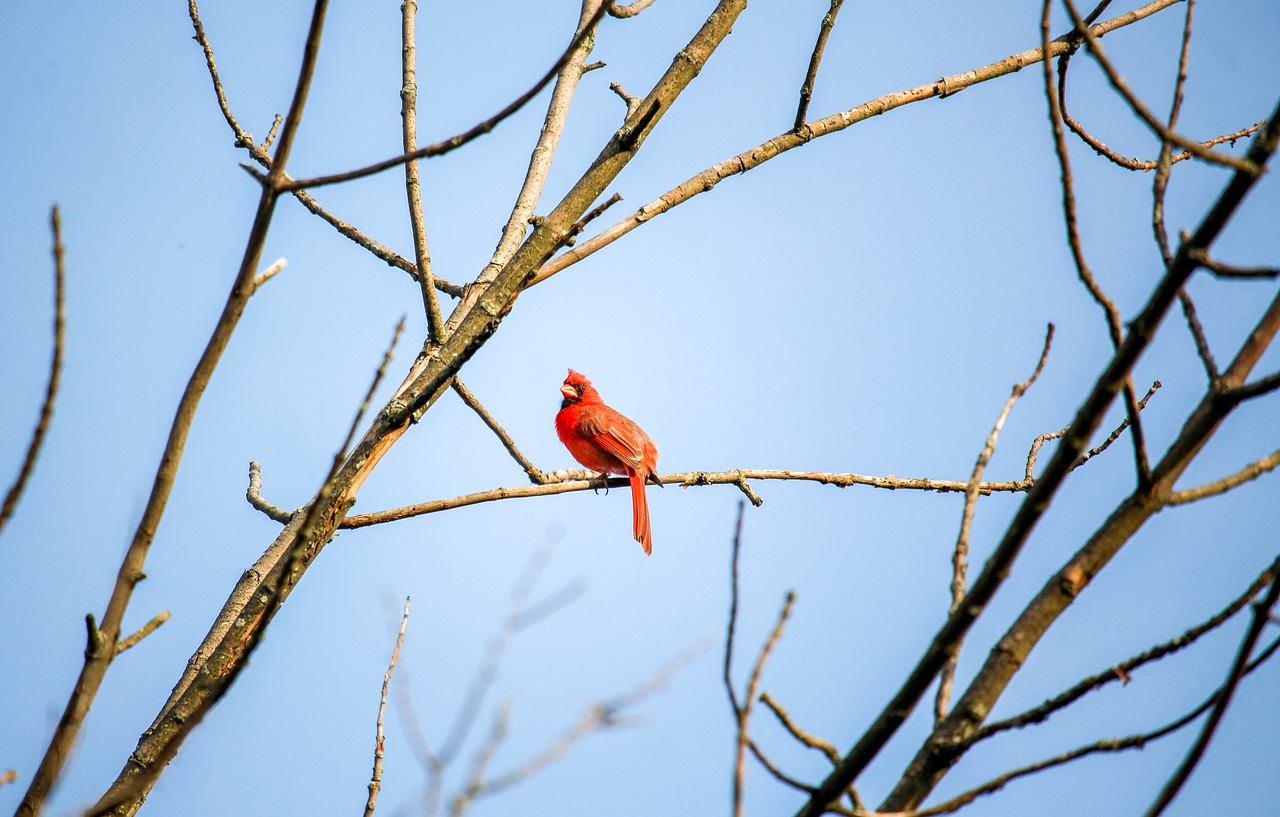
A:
x,y
605,441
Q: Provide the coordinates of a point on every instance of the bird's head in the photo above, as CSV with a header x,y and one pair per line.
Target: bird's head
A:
x,y
574,388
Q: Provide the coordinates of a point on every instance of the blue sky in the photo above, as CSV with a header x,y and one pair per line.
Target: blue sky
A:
x,y
862,304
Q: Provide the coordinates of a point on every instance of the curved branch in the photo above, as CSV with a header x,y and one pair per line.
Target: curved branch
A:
x,y
55,374
629,10
1122,88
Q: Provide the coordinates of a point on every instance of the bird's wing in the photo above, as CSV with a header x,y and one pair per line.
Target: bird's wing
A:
x,y
614,433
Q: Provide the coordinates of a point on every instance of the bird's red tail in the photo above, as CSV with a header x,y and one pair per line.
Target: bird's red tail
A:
x,y
640,511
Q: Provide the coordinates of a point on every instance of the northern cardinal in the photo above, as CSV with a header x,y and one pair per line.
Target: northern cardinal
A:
x,y
605,441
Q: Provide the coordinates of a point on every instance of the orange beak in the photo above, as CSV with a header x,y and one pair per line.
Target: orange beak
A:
x,y
568,391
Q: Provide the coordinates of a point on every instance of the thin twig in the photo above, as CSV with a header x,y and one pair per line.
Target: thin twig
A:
x,y
454,142
1198,335
632,102
55,374
1118,430
748,700
1247,474
146,630
772,768
960,554
1034,451
1239,667
269,273
578,226
810,740
815,59
379,741
1221,270
254,495
1259,387
535,474
732,626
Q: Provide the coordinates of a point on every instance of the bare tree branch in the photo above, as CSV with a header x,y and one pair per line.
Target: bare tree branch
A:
x,y
413,186
98,660
583,481
55,374
512,623
756,156
254,495
541,156
1124,670
1247,474
773,769
809,740
1239,667
379,741
732,626
1115,434
960,555
146,630
743,714
270,272
1031,509
1164,163
128,791
1221,270
1198,335
1136,105
806,89
535,474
